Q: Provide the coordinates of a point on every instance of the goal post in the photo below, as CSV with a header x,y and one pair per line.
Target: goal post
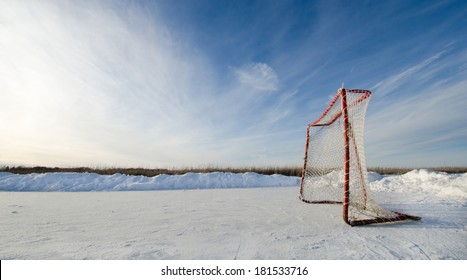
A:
x,y
334,169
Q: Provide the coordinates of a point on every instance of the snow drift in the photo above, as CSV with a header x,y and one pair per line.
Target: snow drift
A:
x,y
74,182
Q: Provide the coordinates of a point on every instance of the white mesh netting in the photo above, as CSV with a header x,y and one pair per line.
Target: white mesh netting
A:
x,y
323,179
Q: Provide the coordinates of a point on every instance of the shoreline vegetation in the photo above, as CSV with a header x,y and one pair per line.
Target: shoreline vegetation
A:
x,y
149,172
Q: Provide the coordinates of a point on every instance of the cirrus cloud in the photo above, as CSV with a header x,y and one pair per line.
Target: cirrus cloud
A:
x,y
259,76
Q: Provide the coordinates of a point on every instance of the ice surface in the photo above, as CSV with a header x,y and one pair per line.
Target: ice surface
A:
x,y
89,216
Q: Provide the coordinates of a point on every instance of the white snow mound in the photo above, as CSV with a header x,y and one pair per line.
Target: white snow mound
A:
x,y
74,182
439,184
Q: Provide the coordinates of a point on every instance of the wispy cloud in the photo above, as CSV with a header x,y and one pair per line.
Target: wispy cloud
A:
x,y
112,85
155,84
91,82
259,76
422,128
390,84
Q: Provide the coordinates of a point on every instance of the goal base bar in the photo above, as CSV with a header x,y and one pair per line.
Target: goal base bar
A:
x,y
399,218
320,201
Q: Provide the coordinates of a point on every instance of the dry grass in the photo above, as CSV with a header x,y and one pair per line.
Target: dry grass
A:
x,y
287,171
388,171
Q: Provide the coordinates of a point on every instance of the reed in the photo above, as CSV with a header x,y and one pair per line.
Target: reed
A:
x,y
282,170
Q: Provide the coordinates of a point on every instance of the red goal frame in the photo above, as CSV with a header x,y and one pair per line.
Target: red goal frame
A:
x,y
342,93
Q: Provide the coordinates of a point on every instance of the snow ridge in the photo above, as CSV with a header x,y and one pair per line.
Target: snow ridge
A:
x,y
421,181
83,182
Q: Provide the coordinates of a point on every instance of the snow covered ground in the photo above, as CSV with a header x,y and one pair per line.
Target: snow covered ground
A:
x,y
222,216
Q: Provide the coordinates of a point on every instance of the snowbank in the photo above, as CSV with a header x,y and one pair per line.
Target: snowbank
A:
x,y
424,181
74,182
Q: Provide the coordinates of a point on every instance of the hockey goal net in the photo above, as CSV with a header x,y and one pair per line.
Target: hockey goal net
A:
x,y
334,170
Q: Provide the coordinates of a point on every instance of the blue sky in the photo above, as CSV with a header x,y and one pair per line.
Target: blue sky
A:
x,y
227,83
